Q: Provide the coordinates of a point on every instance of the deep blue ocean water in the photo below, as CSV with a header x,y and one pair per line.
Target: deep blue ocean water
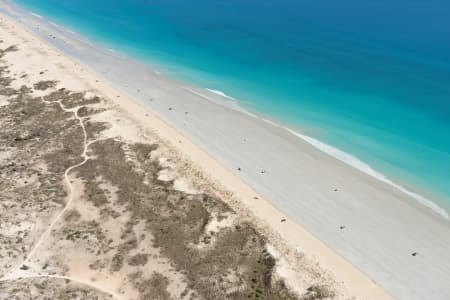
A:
x,y
369,77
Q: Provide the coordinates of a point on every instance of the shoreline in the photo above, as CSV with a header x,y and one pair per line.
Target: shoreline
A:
x,y
345,157
292,236
262,209
425,195
429,200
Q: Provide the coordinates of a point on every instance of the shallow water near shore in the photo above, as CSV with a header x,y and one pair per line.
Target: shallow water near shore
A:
x,y
368,223
371,81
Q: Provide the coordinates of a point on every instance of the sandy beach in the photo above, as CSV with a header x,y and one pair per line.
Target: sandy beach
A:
x,y
315,210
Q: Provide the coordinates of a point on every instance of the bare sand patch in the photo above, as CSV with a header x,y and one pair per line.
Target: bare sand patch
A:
x,y
144,218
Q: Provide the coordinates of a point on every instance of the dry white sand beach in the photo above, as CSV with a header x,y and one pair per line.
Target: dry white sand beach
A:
x,y
362,230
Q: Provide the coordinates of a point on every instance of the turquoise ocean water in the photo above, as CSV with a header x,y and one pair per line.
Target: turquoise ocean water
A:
x,y
370,78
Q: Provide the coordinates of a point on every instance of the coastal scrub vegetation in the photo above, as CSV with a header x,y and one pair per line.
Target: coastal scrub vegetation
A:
x,y
124,221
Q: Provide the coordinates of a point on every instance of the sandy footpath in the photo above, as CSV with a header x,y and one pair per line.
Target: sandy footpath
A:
x,y
374,227
94,204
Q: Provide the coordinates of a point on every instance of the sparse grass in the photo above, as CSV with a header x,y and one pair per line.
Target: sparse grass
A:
x,y
138,260
95,194
236,265
43,288
3,52
72,216
44,85
316,292
85,111
154,287
177,220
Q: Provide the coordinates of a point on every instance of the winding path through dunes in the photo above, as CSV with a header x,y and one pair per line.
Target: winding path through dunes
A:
x,y
16,274
325,217
66,178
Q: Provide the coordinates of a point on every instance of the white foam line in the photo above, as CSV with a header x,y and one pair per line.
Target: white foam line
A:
x,y
234,105
37,16
341,156
330,150
363,167
54,24
220,94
